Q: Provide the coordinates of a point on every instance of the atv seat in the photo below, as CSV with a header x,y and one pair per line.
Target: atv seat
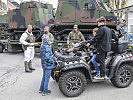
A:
x,y
66,58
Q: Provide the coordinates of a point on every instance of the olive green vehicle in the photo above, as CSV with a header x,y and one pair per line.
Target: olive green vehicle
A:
x,y
3,35
84,13
34,13
3,18
3,31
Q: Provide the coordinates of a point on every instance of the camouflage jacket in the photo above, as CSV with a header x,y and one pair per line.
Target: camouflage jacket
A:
x,y
75,37
46,57
27,38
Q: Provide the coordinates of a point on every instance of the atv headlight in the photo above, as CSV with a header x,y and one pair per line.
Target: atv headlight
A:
x,y
130,47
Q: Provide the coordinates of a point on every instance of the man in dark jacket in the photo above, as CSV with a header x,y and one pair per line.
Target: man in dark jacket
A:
x,y
103,45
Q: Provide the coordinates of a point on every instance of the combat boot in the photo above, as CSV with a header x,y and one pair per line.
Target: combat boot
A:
x,y
26,67
30,66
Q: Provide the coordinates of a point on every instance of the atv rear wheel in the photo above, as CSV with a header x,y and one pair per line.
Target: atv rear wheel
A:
x,y
72,83
124,76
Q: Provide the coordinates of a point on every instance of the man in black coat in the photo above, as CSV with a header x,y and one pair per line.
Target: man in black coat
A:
x,y
103,45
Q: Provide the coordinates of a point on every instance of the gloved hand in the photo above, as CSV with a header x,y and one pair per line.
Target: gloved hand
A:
x,y
32,44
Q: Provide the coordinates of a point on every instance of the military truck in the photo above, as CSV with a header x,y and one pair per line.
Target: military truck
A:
x,y
83,13
34,13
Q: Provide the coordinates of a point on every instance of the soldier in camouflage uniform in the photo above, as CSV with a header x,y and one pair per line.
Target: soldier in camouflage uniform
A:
x,y
51,37
27,40
74,37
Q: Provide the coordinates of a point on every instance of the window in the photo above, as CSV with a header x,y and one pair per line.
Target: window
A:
x,y
2,5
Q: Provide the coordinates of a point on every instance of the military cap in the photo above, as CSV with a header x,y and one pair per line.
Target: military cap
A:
x,y
29,26
75,26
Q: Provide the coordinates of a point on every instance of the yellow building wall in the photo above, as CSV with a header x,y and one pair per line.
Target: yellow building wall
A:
x,y
118,4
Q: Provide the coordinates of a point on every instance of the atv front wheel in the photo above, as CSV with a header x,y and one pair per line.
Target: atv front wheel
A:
x,y
1,48
123,77
54,77
72,83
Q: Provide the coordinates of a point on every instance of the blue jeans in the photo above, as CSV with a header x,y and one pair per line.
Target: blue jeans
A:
x,y
45,80
93,60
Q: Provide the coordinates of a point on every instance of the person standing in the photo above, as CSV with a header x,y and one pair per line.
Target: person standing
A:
x,y
27,40
47,64
93,54
103,45
74,37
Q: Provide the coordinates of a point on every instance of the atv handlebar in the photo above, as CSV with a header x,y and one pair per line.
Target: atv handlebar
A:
x,y
77,47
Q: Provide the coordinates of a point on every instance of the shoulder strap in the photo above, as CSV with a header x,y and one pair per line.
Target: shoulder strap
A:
x,y
28,36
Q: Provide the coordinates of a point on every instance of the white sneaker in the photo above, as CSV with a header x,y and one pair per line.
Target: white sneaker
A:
x,y
98,77
105,77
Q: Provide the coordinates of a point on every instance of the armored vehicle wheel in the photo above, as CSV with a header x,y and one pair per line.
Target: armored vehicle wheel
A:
x,y
1,48
72,83
124,76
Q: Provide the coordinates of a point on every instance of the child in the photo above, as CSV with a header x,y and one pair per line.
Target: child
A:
x,y
47,64
94,56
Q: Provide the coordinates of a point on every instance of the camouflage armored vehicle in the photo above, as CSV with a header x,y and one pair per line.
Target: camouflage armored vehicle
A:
x,y
3,31
3,18
3,35
34,13
3,27
83,13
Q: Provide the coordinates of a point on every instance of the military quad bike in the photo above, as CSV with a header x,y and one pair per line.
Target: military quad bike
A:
x,y
74,69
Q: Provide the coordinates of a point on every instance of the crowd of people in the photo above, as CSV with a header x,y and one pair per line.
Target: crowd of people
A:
x,y
100,44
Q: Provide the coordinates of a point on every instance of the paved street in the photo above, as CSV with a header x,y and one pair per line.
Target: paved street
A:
x,y
15,84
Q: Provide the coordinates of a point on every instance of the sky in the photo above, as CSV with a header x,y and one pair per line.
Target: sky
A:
x,y
54,2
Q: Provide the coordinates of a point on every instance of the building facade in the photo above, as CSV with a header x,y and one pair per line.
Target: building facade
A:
x,y
11,6
130,18
3,7
118,4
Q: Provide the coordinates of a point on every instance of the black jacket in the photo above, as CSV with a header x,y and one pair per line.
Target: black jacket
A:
x,y
103,39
